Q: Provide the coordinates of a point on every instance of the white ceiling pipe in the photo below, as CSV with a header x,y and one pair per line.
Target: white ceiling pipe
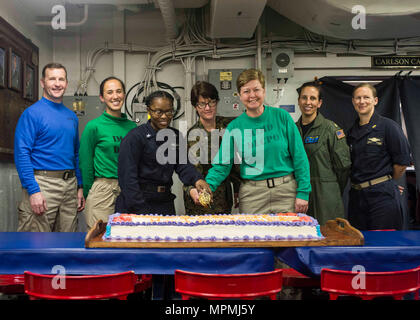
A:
x,y
110,2
176,3
259,49
169,18
69,24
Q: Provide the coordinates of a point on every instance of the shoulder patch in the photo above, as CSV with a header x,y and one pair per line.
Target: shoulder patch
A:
x,y
340,134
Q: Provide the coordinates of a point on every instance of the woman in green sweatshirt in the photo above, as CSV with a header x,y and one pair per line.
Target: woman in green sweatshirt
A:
x,y
265,141
99,150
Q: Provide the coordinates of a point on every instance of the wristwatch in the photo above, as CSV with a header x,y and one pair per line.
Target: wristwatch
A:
x,y
80,186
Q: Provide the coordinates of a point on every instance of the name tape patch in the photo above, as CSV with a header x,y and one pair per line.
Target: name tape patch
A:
x,y
312,139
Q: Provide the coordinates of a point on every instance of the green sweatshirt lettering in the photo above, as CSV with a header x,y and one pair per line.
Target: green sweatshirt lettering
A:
x,y
100,147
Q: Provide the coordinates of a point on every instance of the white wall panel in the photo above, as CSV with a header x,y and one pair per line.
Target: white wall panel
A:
x,y
21,18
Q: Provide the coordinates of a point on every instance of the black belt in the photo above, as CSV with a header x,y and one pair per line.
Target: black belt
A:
x,y
271,182
63,174
155,188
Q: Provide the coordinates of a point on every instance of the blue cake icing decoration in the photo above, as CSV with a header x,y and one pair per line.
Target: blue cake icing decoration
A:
x,y
108,231
318,231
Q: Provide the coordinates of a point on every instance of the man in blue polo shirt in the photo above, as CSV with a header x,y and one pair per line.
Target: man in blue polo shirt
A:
x,y
46,157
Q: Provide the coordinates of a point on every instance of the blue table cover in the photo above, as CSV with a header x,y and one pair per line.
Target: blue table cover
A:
x,y
382,251
40,252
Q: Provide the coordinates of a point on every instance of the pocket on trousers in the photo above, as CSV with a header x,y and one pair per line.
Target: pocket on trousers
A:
x,y
116,191
289,187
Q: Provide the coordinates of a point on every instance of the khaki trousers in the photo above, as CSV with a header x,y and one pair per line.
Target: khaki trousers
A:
x,y
100,202
255,197
61,215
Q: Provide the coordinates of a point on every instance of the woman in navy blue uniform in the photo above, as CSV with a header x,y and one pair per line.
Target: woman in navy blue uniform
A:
x,y
380,154
149,155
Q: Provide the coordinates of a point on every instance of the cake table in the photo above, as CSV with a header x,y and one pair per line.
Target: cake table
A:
x,y
337,232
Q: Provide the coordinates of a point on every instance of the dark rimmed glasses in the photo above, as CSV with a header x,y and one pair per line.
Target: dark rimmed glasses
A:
x,y
211,104
160,113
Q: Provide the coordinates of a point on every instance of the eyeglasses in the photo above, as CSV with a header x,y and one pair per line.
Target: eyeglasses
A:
x,y
211,104
160,113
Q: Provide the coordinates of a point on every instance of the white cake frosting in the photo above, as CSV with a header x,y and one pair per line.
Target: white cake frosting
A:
x,y
229,227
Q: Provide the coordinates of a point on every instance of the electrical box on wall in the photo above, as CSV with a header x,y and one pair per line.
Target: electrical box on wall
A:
x,y
140,113
282,63
225,82
86,108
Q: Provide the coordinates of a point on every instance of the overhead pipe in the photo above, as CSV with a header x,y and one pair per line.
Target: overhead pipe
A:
x,y
169,18
259,49
69,24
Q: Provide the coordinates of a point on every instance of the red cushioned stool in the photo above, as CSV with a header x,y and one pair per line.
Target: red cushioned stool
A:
x,y
293,278
144,282
225,286
110,286
12,283
369,285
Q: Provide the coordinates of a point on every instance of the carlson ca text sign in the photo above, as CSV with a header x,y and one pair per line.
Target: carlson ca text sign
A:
x,y
402,62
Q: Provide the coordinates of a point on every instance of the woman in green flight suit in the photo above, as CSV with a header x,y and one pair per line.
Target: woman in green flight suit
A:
x,y
328,155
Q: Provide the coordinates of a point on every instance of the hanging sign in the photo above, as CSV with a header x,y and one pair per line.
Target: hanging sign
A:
x,y
396,62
